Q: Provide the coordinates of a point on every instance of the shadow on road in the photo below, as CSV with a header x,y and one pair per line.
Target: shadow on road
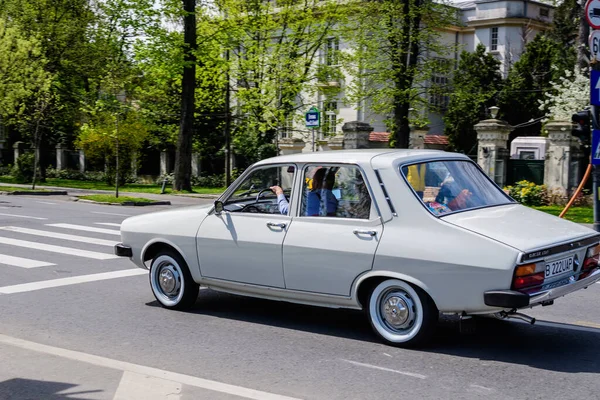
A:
x,y
29,389
559,347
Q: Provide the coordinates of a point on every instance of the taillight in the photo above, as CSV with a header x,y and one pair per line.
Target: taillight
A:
x,y
528,275
592,257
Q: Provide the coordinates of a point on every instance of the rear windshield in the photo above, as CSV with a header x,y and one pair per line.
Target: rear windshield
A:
x,y
449,186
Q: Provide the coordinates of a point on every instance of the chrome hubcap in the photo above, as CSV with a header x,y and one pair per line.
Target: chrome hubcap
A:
x,y
169,280
397,310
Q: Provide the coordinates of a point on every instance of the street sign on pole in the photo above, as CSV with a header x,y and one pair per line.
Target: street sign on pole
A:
x,y
594,42
595,147
595,88
592,13
313,118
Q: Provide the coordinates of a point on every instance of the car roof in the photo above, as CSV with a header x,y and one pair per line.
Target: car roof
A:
x,y
383,157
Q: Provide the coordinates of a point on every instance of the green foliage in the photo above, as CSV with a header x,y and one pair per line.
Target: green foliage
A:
x,y
475,84
527,82
528,193
22,171
564,31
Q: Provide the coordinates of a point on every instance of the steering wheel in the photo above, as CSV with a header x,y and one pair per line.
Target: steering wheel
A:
x,y
251,208
261,192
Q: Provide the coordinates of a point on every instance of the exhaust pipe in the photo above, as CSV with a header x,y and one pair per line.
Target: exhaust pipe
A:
x,y
515,315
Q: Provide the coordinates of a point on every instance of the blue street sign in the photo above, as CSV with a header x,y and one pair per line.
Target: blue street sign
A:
x,y
313,118
595,87
596,147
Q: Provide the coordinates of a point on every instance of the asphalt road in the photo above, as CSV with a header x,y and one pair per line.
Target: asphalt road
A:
x,y
79,324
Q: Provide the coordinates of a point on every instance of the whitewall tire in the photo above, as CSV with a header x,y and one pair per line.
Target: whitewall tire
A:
x,y
171,281
401,314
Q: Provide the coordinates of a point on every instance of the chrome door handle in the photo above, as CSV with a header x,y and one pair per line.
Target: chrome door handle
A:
x,y
276,224
364,232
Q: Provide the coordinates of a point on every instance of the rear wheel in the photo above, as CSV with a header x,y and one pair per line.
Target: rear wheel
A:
x,y
400,314
171,281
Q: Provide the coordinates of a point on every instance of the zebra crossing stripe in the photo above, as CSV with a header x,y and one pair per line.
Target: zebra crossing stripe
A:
x,y
73,280
56,235
22,262
57,249
108,224
86,228
21,216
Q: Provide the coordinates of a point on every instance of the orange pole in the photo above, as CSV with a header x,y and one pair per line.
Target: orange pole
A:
x,y
588,171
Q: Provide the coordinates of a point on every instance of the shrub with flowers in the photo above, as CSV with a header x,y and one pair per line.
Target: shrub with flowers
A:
x,y
528,193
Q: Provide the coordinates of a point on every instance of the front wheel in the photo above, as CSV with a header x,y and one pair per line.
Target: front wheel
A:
x,y
171,281
400,314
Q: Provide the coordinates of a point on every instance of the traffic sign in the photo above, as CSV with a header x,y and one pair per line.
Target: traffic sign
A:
x,y
313,118
596,147
594,42
595,88
592,13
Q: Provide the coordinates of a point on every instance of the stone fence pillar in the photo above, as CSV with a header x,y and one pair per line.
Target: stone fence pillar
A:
x,y
164,162
417,138
19,148
61,162
356,135
562,152
492,151
290,146
81,161
196,166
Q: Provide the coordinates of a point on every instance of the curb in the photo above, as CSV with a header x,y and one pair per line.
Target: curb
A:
x,y
127,203
25,193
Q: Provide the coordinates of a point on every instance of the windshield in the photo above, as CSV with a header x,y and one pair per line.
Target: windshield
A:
x,y
449,186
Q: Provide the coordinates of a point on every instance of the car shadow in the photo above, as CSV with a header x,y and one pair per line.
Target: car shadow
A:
x,y
31,389
554,347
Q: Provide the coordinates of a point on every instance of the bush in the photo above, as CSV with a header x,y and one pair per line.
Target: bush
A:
x,y
22,171
6,170
92,176
528,193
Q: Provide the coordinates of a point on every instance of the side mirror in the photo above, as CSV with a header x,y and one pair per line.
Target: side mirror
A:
x,y
218,207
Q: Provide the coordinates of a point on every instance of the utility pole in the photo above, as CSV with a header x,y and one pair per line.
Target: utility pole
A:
x,y
227,124
591,13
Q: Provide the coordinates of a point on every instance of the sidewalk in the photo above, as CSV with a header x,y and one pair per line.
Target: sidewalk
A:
x,y
175,199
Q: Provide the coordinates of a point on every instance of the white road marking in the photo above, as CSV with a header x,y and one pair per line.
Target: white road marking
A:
x,y
575,327
143,370
22,216
138,386
56,235
57,249
22,262
46,202
86,228
73,280
385,369
108,224
107,213
387,355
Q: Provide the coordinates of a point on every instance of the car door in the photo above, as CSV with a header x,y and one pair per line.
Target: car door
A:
x,y
335,233
244,242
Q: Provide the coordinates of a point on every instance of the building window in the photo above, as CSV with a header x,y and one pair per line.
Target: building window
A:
x,y
494,39
287,129
330,118
544,12
438,92
332,48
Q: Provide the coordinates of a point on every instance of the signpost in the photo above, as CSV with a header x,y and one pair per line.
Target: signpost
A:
x,y
312,119
592,15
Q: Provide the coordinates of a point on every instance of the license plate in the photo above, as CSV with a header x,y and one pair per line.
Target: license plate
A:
x,y
559,267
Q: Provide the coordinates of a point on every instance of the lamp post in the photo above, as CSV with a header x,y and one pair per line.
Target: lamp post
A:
x,y
121,96
494,111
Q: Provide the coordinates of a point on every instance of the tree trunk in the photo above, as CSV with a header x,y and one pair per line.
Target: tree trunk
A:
x,y
183,155
582,40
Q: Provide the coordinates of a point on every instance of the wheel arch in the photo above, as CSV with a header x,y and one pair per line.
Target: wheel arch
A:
x,y
365,284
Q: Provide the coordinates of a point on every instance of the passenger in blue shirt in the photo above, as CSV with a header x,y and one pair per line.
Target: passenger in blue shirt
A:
x,y
319,200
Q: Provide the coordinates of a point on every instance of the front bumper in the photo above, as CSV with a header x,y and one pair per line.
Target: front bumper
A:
x,y
514,299
123,250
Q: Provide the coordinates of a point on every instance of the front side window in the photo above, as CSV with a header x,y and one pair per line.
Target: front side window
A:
x,y
335,191
449,186
494,39
255,194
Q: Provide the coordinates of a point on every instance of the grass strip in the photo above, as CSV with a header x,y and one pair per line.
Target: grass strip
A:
x,y
20,189
107,198
582,215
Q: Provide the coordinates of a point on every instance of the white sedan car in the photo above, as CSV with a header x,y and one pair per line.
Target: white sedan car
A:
x,y
403,234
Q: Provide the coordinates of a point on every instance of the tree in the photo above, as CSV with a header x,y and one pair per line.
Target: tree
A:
x,y
526,84
475,82
569,94
183,156
564,31
393,43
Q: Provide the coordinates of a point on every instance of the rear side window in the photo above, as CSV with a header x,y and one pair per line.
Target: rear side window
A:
x,y
450,186
335,191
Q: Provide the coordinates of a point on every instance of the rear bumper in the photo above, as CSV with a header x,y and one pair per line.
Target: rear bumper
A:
x,y
514,299
123,250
